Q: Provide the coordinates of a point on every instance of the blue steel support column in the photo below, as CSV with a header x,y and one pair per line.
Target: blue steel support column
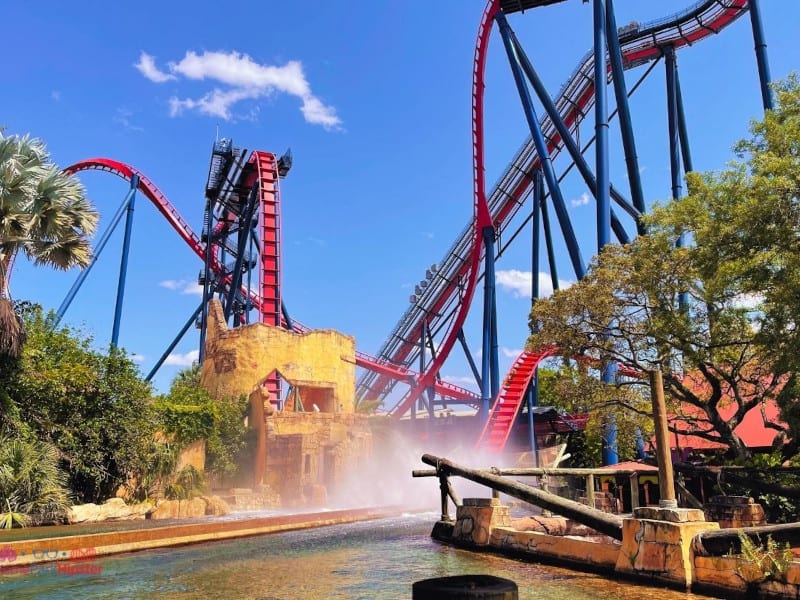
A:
x,y
625,122
548,240
241,246
286,317
495,359
571,146
761,54
174,343
683,131
541,148
422,348
208,288
96,254
123,265
427,338
538,200
603,188
468,355
487,361
533,388
674,135
601,127
247,302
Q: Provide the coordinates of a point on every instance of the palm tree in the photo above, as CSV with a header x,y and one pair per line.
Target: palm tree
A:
x,y
33,489
44,214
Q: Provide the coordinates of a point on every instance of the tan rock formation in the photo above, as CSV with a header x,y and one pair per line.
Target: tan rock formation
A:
x,y
179,509
114,509
320,363
307,447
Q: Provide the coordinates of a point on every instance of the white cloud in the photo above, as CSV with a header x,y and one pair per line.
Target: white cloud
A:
x,y
183,360
183,286
519,283
317,113
511,352
216,103
137,358
245,79
123,117
147,67
582,201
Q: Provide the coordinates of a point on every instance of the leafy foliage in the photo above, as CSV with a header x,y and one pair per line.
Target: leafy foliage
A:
x,y
189,413
717,316
93,407
775,490
187,483
44,214
763,562
32,486
577,391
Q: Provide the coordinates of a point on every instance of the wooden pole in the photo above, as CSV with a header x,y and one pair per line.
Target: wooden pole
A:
x,y
666,480
444,489
608,524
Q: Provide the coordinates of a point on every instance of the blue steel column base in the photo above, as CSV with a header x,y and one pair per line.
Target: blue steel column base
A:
x,y
489,358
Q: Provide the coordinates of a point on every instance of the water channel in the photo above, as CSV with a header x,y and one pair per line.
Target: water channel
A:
x,y
376,559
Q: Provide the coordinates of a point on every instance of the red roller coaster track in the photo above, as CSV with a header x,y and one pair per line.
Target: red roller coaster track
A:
x,y
265,174
504,412
576,97
454,299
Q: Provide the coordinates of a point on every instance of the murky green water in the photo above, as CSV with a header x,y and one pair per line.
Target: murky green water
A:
x,y
378,559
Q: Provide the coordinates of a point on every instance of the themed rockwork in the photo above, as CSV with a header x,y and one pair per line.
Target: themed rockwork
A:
x,y
315,439
677,547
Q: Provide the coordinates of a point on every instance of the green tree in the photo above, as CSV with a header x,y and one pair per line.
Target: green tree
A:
x,y
189,413
44,214
575,391
93,407
746,221
718,316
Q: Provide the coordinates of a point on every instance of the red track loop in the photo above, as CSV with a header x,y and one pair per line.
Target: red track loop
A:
x,y
482,217
149,189
264,172
577,96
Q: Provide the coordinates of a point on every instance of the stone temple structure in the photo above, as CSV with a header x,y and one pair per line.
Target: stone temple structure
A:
x,y
316,439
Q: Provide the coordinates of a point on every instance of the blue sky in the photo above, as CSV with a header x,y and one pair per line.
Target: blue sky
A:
x,y
374,100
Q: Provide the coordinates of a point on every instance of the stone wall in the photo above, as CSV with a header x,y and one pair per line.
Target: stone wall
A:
x,y
657,546
735,512
309,452
193,455
316,439
238,360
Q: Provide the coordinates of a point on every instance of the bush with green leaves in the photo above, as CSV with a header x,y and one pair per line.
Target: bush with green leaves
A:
x,y
187,483
94,407
189,413
32,486
767,561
